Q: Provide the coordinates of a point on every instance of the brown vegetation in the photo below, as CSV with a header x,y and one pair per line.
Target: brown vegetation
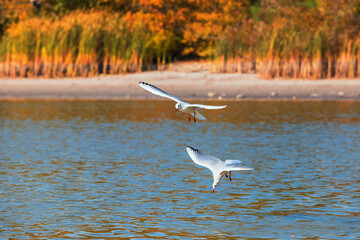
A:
x,y
309,39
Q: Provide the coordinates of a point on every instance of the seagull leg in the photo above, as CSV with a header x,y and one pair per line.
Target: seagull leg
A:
x,y
189,118
194,116
230,175
226,175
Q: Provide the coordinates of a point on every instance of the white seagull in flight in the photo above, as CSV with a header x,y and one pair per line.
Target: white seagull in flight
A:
x,y
185,107
218,167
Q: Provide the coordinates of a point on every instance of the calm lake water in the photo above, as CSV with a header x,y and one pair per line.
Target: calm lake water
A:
x,y
119,169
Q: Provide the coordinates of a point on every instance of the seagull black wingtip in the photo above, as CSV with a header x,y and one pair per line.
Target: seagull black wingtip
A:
x,y
192,148
195,150
147,84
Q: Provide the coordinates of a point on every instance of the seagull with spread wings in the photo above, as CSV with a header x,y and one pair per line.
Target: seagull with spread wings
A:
x,y
219,168
192,109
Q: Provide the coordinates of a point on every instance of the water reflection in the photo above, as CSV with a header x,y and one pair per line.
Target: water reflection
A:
x,y
157,111
119,169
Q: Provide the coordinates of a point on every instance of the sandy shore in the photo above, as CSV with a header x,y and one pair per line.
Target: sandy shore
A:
x,y
191,85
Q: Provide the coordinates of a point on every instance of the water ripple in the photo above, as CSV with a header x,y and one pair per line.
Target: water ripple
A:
x,y
74,170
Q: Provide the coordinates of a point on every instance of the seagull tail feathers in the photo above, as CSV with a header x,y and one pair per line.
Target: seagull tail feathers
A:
x,y
199,116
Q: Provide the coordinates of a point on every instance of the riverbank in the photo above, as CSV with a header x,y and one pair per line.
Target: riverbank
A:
x,y
200,84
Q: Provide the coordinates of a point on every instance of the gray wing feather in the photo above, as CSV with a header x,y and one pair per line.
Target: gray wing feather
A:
x,y
158,91
231,161
235,165
203,159
208,106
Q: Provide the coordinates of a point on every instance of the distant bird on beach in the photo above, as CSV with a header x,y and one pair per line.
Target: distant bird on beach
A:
x,y
180,105
219,168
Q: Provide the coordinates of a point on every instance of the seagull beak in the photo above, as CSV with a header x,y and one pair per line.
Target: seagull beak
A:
x,y
176,109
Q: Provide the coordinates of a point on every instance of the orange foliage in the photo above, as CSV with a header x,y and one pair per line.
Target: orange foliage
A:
x,y
276,38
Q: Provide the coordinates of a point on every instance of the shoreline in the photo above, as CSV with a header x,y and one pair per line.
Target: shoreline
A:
x,y
198,85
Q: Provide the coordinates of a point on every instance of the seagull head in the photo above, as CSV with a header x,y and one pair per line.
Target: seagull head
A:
x,y
214,186
177,106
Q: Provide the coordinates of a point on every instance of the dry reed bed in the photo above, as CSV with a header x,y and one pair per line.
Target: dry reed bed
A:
x,y
291,54
81,44
97,42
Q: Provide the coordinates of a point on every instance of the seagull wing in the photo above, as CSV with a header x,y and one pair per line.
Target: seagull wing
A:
x,y
234,165
208,106
158,91
232,161
203,159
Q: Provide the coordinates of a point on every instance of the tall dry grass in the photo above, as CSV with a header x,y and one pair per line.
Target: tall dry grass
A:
x,y
81,44
306,39
312,61
281,53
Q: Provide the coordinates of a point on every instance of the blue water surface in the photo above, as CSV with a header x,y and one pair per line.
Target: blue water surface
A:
x,y
119,169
